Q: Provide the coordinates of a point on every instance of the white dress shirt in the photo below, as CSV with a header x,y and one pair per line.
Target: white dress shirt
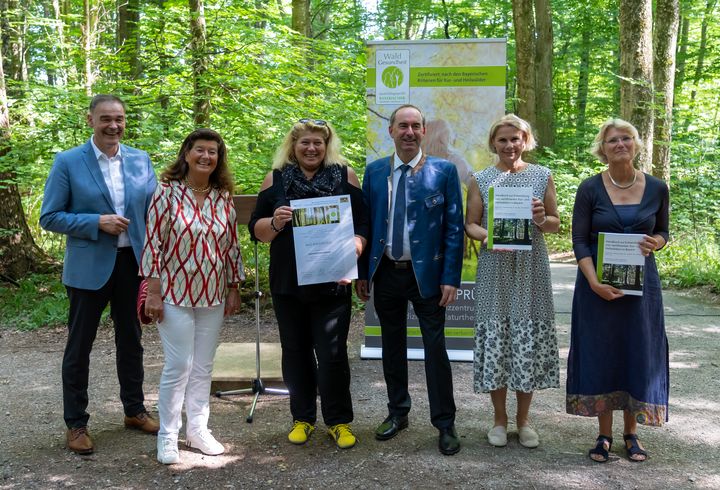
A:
x,y
111,168
397,163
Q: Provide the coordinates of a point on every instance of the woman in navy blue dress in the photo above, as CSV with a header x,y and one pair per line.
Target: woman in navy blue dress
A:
x,y
618,348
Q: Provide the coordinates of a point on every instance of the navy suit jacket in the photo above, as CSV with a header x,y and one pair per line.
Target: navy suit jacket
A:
x,y
75,197
434,220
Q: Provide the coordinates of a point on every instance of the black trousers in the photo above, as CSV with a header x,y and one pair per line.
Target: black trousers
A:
x,y
313,336
86,307
393,288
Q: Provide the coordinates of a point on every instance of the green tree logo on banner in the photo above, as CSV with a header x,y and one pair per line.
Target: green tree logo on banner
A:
x,y
392,77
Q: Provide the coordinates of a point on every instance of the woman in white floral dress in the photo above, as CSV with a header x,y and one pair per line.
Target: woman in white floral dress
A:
x,y
515,339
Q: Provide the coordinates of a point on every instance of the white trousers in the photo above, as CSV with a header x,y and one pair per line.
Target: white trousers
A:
x,y
189,338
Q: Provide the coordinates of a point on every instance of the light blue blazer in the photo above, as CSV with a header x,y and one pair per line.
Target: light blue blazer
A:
x,y
434,220
75,197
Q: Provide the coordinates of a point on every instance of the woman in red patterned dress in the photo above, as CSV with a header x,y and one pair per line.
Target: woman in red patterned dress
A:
x,y
193,266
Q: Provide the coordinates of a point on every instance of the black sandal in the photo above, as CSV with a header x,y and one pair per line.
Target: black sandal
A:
x,y
634,449
599,449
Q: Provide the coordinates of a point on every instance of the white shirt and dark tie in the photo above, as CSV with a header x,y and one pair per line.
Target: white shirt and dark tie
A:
x,y
112,171
400,171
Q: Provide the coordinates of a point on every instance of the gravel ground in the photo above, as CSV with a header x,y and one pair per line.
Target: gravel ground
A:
x,y
685,453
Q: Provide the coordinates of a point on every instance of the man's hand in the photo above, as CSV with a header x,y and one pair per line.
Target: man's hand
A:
x,y
362,290
449,293
113,224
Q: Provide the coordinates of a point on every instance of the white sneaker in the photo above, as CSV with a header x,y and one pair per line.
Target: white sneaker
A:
x,y
167,450
205,442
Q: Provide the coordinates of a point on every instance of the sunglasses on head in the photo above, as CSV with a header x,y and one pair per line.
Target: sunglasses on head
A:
x,y
316,122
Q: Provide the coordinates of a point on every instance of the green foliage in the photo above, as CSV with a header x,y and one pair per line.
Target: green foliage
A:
x,y
40,300
689,261
263,77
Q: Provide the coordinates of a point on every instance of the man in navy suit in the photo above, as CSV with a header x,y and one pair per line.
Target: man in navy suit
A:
x,y
415,254
97,194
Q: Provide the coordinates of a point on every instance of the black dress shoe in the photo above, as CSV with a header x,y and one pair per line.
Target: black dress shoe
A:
x,y
390,427
449,443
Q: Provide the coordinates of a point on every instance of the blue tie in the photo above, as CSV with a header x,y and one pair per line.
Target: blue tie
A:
x,y
399,215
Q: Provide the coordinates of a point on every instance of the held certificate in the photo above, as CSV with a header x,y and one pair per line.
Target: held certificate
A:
x,y
324,239
620,263
509,218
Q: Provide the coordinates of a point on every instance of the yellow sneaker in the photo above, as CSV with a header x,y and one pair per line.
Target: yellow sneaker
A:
x,y
300,432
343,436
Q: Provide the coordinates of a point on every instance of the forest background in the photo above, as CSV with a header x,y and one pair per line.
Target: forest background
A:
x,y
250,68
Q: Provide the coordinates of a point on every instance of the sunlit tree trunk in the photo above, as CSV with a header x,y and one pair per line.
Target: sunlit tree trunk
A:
x,y
665,40
682,53
636,70
198,45
545,121
700,65
301,17
89,41
525,59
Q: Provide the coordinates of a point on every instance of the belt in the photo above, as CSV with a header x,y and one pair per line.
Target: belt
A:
x,y
398,264
124,249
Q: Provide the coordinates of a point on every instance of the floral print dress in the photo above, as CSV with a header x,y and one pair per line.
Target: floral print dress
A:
x,y
515,339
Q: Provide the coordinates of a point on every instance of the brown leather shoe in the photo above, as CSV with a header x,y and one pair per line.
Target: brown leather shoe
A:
x,y
144,422
78,441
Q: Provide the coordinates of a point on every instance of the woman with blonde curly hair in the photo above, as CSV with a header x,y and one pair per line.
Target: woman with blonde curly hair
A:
x,y
313,320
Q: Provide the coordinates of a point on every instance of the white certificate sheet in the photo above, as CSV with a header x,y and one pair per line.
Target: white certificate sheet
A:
x,y
510,218
324,239
620,262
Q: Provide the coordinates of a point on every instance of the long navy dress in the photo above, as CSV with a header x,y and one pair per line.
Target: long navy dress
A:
x,y
618,349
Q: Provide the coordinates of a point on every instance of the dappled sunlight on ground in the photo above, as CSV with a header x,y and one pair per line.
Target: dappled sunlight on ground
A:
x,y
190,460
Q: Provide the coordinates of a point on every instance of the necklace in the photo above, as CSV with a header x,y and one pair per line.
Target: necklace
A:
x,y
203,190
626,186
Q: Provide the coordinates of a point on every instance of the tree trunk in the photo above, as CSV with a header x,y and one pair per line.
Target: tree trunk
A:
x,y
13,45
583,78
682,53
50,13
198,44
446,20
545,122
89,40
18,252
127,36
301,17
525,59
666,30
636,70
701,51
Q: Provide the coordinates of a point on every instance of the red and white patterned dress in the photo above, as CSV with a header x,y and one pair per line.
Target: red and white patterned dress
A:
x,y
193,251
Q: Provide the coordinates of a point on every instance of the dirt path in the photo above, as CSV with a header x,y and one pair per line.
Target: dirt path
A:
x,y
685,453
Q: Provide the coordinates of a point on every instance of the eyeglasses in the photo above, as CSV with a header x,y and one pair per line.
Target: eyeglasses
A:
x,y
624,139
316,122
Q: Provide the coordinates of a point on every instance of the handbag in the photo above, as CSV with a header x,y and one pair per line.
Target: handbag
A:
x,y
142,296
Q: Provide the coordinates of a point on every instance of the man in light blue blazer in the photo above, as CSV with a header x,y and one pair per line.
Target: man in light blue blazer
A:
x,y
97,194
414,254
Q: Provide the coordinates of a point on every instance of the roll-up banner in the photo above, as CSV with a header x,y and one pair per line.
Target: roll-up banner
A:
x,y
460,86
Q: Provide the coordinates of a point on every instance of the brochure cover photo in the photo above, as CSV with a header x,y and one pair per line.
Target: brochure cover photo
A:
x,y
509,218
620,263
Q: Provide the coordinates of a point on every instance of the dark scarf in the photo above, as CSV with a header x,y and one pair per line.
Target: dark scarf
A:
x,y
323,183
